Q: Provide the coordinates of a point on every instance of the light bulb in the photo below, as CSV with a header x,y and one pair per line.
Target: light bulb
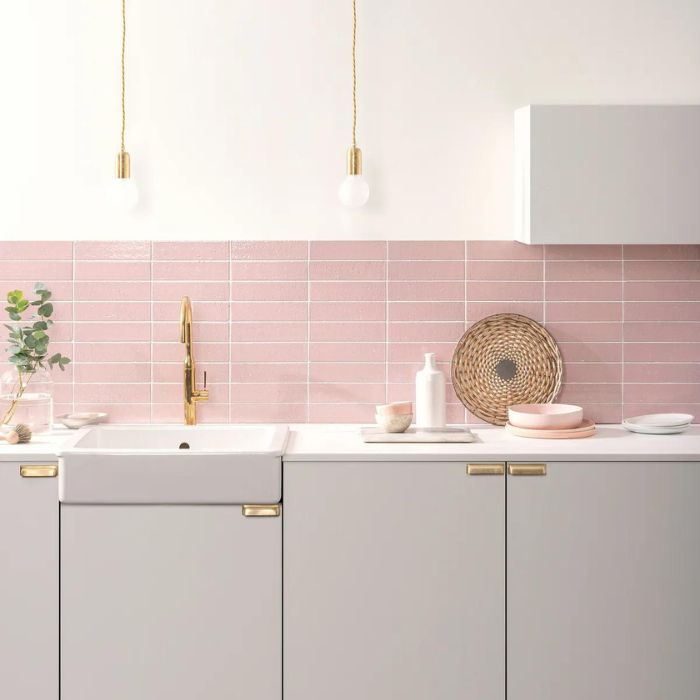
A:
x,y
354,191
124,193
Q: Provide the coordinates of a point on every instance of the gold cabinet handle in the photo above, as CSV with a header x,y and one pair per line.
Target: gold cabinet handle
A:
x,y
34,471
262,511
487,469
527,469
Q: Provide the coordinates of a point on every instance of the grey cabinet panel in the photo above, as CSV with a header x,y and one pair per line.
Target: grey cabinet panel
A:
x,y
28,586
603,581
175,602
393,582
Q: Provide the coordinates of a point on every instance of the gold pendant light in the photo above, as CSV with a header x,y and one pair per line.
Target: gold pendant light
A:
x,y
354,190
124,191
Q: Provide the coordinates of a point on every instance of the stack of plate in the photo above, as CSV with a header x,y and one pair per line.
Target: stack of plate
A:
x,y
659,423
551,421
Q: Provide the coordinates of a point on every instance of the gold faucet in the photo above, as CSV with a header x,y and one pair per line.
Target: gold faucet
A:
x,y
192,394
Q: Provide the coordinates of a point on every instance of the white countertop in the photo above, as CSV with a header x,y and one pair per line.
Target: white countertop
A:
x,y
343,442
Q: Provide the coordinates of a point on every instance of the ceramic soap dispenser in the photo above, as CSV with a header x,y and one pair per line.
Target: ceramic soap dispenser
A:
x,y
430,395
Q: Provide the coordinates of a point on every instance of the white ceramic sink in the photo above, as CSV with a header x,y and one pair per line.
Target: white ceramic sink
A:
x,y
173,464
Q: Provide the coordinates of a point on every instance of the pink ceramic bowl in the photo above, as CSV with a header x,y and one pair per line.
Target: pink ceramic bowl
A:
x,y
545,416
398,408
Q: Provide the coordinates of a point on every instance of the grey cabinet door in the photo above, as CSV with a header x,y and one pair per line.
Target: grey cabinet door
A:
x,y
175,602
28,585
603,582
393,582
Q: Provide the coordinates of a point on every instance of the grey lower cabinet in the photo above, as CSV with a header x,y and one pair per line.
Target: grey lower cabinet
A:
x,y
603,592
172,601
28,581
394,581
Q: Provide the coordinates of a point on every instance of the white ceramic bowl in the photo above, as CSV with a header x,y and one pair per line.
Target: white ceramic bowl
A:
x,y
397,423
545,416
80,420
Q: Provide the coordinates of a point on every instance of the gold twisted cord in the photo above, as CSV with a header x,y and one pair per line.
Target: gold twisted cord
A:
x,y
123,75
354,73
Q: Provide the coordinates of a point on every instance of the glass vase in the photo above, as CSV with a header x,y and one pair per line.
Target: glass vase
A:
x,y
27,397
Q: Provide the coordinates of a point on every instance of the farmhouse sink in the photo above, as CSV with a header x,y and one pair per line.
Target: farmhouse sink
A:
x,y
173,464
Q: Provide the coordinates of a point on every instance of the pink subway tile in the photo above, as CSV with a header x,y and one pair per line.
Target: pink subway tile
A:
x,y
347,291
206,352
357,331
117,412
61,331
662,270
419,311
350,393
603,413
281,332
591,393
266,373
662,291
348,311
268,413
660,332
201,332
112,270
504,270
269,311
171,372
593,372
269,250
568,270
63,393
112,352
652,406
583,311
662,372
450,290
113,291
202,310
591,352
36,250
426,250
110,373
341,413
583,291
61,290
662,252
105,311
596,332
405,372
269,352
491,290
113,393
190,251
347,270
405,391
347,352
269,271
583,252
503,250
112,250
664,393
210,270
415,352
662,352
269,291
212,412
358,372
662,311
36,270
438,270
202,291
425,332
348,250
477,310
172,393
268,393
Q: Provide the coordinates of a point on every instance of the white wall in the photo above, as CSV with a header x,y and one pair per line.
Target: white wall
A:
x,y
239,110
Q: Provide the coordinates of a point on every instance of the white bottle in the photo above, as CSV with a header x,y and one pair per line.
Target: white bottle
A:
x,y
430,395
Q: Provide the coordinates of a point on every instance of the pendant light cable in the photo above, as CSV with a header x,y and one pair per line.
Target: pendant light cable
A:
x,y
354,73
123,66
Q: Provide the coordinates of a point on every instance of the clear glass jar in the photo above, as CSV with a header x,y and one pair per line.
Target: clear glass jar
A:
x,y
27,397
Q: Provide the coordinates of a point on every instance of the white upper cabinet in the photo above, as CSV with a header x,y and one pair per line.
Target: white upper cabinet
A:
x,y
607,174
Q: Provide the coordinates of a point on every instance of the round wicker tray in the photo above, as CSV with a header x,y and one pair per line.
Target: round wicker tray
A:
x,y
502,360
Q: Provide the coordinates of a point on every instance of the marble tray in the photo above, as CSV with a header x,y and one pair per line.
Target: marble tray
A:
x,y
374,434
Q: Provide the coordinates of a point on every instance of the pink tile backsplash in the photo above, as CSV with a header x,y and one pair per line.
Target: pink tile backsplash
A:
x,y
294,331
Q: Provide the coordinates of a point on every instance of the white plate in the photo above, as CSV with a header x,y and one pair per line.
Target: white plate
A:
x,y
651,430
661,420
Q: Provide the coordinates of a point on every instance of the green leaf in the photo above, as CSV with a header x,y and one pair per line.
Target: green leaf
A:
x,y
10,309
40,326
64,361
15,316
22,305
45,310
14,296
39,286
38,335
30,341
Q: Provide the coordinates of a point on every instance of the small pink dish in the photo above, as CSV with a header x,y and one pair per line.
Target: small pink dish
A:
x,y
398,408
545,416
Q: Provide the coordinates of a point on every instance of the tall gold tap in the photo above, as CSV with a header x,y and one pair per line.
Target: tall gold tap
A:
x,y
191,394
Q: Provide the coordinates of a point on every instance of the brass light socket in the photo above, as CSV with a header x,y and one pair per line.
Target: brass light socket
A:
x,y
123,170
354,161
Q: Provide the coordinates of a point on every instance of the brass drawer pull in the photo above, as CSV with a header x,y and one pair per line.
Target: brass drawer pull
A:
x,y
262,511
527,469
33,471
487,469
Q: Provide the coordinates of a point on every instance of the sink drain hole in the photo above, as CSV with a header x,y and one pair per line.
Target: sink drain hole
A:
x,y
184,446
